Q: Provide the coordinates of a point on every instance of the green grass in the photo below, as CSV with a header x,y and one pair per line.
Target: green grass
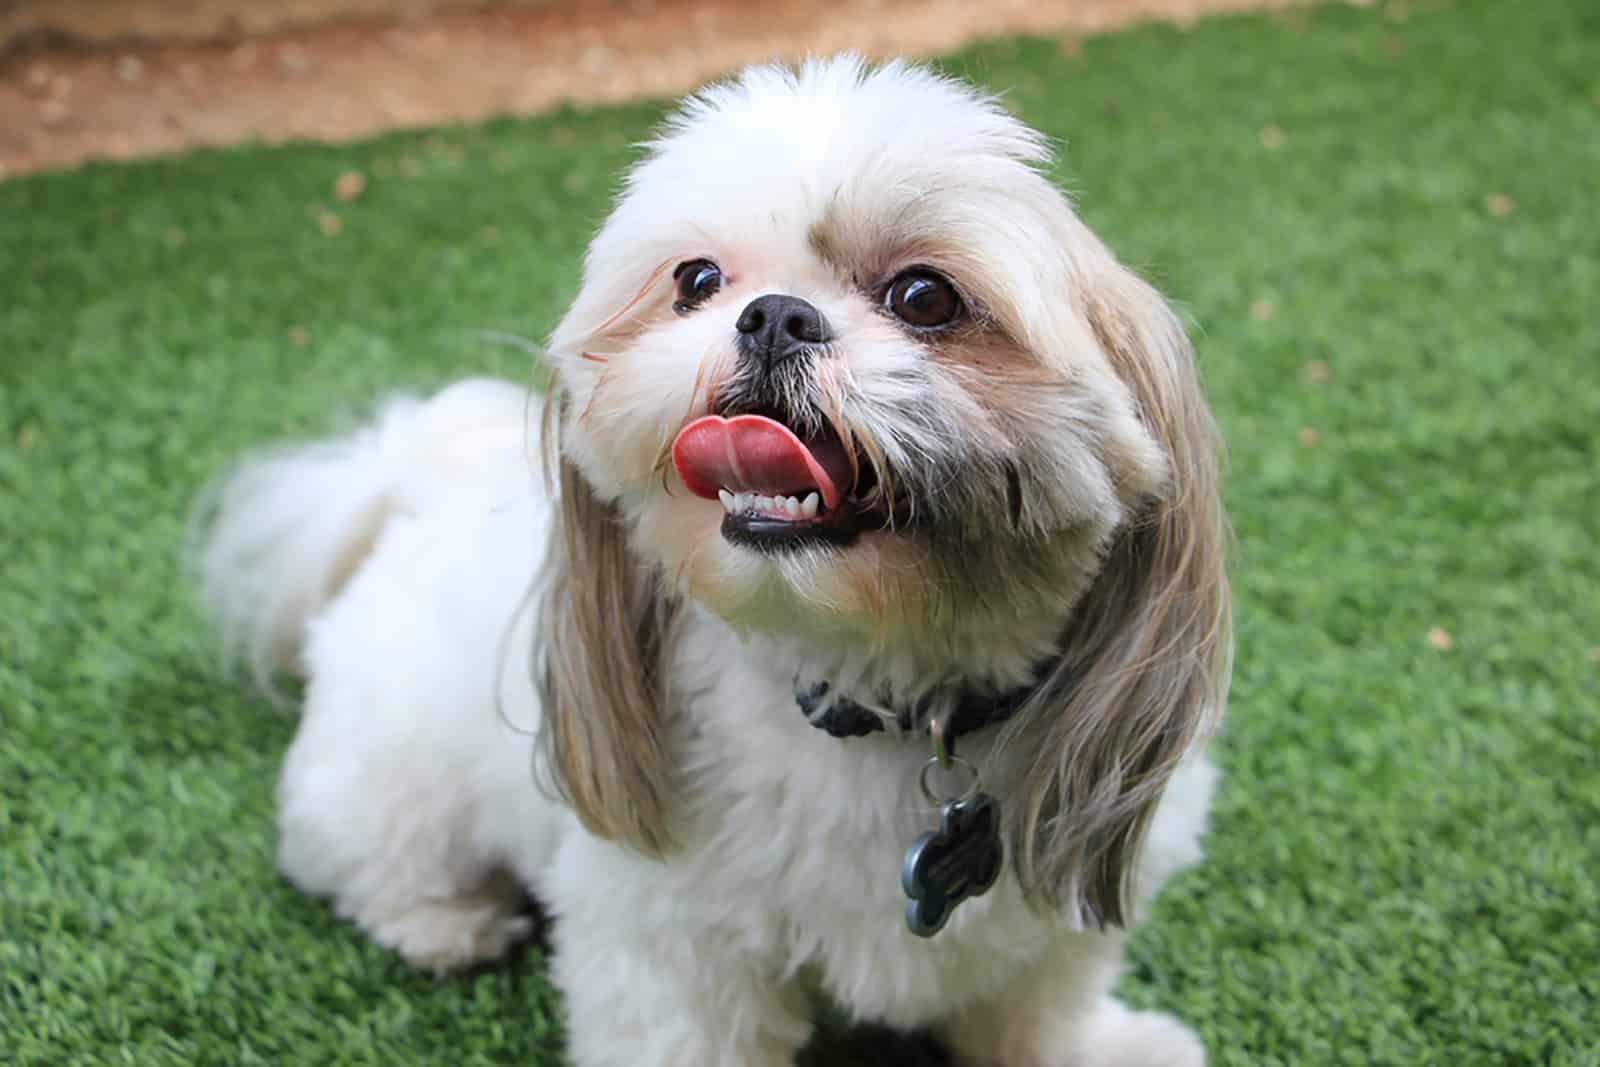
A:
x,y
1405,867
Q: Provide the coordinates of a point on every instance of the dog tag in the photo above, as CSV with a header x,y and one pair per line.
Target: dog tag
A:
x,y
961,859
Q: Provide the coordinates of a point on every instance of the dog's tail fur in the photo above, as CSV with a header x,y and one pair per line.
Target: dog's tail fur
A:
x,y
276,537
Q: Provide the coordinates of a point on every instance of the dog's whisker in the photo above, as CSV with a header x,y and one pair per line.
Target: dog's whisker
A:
x,y
502,337
650,281
594,393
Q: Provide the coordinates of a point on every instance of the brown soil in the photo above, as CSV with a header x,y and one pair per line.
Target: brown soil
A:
x,y
353,77
102,22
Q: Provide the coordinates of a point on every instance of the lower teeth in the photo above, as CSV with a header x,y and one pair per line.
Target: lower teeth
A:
x,y
788,508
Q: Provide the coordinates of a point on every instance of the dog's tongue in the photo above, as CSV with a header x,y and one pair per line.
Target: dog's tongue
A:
x,y
752,453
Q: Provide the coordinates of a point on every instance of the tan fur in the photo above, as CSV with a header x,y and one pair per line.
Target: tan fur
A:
x,y
1146,655
605,619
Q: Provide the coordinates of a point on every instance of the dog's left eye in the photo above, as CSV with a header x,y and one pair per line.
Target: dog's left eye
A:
x,y
697,281
923,299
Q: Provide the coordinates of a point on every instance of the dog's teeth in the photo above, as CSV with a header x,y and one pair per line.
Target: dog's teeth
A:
x,y
778,507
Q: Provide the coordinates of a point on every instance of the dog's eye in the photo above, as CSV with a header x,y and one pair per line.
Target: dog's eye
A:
x,y
923,298
698,280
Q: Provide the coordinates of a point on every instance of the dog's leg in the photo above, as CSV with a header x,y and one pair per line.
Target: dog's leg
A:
x,y
406,797
652,979
384,566
634,1008
380,823
1061,1013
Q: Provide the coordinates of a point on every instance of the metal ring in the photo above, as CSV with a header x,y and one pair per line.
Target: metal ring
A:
x,y
954,763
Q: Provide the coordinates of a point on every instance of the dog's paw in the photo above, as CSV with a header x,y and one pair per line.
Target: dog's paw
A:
x,y
1109,1035
1124,1038
451,935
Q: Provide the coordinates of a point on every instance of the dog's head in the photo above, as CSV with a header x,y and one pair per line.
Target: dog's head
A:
x,y
846,369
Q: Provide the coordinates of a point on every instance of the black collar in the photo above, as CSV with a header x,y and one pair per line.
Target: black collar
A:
x,y
839,716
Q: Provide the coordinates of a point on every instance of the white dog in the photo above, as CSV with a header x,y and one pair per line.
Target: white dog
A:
x,y
878,499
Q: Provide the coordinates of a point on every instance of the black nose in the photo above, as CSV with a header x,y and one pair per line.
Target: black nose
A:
x,y
776,327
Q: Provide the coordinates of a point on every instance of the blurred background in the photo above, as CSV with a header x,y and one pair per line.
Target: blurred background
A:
x,y
118,79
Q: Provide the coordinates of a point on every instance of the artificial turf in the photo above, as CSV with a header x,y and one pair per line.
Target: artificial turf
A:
x,y
1384,223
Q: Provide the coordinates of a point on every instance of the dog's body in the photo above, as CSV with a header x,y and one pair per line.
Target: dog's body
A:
x,y
422,573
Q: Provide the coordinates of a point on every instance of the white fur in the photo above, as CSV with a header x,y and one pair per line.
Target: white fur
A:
x,y
410,781
394,566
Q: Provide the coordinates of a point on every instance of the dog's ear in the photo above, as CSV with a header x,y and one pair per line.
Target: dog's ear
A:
x,y
603,625
1147,652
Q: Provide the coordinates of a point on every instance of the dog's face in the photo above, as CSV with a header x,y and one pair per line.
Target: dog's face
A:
x,y
846,369
834,360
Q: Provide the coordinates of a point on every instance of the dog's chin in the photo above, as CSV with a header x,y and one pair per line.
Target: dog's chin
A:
x,y
850,575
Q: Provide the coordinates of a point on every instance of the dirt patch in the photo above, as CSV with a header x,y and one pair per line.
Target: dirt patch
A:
x,y
98,22
356,77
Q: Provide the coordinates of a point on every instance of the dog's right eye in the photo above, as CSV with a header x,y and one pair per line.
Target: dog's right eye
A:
x,y
697,281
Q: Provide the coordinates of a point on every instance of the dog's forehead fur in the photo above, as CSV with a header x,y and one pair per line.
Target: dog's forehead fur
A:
x,y
782,141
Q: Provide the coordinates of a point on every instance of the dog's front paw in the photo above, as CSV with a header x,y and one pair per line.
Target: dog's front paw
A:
x,y
1120,1037
451,935
1108,1034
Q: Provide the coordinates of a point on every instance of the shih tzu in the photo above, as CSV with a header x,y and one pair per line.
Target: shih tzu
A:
x,y
857,630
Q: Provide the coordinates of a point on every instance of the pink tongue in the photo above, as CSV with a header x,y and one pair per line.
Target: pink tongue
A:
x,y
754,454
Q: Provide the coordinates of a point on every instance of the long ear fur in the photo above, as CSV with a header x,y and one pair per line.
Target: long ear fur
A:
x,y
1148,650
603,627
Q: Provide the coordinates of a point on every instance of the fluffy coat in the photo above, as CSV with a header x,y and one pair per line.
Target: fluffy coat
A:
x,y
544,667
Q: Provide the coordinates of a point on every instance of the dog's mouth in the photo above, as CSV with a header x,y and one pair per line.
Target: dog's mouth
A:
x,y
780,489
